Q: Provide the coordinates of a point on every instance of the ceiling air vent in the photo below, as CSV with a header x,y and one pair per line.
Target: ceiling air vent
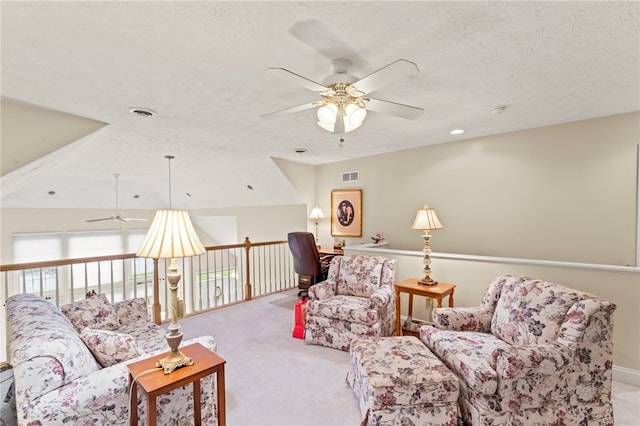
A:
x,y
351,176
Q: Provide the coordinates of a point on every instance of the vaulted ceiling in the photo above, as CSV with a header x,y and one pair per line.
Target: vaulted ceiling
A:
x,y
200,66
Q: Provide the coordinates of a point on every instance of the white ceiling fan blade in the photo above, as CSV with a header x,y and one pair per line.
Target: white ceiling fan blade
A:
x,y
386,75
132,219
298,79
118,215
101,219
393,108
290,110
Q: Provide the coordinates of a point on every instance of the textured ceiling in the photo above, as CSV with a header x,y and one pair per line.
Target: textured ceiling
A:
x,y
201,65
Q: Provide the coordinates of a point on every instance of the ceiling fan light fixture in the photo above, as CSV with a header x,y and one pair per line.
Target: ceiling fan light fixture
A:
x,y
327,114
326,126
331,119
355,115
350,127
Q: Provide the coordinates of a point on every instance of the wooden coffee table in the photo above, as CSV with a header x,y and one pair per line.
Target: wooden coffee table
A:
x,y
157,383
412,287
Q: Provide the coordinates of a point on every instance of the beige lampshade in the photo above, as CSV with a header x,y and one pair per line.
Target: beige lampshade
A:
x,y
316,213
426,219
171,235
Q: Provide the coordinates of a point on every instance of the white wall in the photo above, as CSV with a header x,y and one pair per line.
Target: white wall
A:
x,y
257,223
565,192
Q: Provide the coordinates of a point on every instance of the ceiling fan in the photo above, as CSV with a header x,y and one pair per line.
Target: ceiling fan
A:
x,y
345,99
118,216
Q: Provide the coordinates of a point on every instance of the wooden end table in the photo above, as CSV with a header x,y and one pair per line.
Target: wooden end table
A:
x,y
412,287
157,383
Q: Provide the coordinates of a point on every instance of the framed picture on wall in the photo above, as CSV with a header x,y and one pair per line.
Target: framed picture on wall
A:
x,y
346,213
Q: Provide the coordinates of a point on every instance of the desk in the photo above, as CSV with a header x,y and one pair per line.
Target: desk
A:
x,y
412,287
327,251
157,383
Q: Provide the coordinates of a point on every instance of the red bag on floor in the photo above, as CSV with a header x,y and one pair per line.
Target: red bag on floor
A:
x,y
299,315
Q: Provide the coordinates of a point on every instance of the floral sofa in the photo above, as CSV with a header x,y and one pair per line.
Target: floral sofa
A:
x,y
356,300
70,363
533,352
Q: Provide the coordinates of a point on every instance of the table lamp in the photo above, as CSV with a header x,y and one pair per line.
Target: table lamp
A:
x,y
170,236
316,214
427,220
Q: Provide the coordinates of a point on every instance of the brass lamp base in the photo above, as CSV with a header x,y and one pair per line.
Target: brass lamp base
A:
x,y
173,361
427,281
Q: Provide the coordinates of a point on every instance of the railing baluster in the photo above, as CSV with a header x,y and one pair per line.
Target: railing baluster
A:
x,y
57,274
125,296
206,258
111,283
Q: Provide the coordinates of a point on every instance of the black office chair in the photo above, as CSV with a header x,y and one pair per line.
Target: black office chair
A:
x,y
310,267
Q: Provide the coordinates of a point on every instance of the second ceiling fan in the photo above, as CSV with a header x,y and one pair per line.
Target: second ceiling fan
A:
x,y
117,216
345,99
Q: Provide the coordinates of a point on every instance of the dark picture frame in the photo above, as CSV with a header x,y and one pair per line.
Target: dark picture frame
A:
x,y
346,213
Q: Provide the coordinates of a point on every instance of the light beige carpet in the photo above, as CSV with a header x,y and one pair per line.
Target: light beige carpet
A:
x,y
287,301
273,379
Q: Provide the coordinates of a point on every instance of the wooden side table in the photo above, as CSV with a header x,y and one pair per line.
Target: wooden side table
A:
x,y
412,287
157,383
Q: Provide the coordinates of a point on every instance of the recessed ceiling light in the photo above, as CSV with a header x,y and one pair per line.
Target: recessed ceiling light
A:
x,y
498,109
142,112
456,132
51,192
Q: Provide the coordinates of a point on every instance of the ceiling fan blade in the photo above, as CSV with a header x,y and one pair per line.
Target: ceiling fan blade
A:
x,y
323,40
101,219
291,76
290,110
393,108
386,75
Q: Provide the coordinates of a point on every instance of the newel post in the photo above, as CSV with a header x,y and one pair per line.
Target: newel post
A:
x,y
247,286
156,293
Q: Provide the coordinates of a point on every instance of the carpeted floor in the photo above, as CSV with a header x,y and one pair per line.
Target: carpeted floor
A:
x,y
273,379
287,302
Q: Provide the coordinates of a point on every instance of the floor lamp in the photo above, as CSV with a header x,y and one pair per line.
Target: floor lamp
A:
x,y
171,236
316,214
427,220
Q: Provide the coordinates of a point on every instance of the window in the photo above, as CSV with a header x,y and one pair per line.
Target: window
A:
x,y
142,268
29,248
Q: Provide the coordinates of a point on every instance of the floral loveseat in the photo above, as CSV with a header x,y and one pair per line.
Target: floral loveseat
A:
x,y
356,300
60,380
534,352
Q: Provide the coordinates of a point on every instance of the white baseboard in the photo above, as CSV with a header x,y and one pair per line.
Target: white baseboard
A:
x,y
626,375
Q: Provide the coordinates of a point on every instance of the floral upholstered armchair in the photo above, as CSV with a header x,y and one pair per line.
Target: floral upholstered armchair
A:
x,y
534,352
357,299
